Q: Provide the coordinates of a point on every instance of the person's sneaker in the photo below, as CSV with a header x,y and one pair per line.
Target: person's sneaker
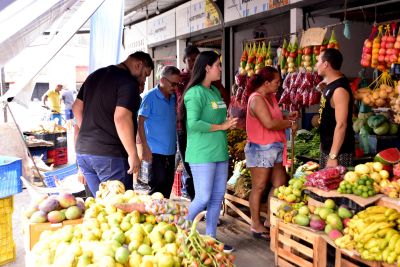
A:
x,y
228,249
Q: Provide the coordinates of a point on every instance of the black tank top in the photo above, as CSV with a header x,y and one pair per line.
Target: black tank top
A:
x,y
328,121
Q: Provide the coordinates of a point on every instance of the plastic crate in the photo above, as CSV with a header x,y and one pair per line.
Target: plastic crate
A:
x,y
7,245
60,174
10,171
57,156
39,152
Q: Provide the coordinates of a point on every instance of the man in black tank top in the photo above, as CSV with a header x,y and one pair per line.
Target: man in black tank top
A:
x,y
337,135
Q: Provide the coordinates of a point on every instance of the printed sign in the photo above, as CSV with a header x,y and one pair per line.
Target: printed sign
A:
x,y
196,15
277,3
135,38
236,9
161,27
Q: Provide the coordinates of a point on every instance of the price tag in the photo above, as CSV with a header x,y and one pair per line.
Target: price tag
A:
x,y
313,36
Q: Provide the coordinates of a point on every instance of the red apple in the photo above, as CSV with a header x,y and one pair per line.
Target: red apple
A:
x,y
387,58
391,39
389,45
397,44
366,56
384,38
389,51
368,43
381,58
393,58
364,62
382,51
398,38
367,50
346,222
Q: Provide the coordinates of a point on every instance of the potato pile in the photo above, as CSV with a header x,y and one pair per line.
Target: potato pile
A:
x,y
379,97
395,105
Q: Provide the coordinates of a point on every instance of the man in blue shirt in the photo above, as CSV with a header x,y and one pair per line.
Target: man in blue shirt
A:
x,y
157,130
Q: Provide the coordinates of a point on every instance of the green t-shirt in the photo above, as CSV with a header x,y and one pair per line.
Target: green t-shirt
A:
x,y
204,107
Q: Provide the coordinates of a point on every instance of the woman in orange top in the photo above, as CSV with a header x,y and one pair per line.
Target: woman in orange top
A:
x,y
266,141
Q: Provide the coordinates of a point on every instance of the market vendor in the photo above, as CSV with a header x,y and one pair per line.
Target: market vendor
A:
x,y
105,111
336,110
52,100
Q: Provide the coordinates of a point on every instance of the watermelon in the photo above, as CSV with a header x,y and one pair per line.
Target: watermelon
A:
x,y
388,156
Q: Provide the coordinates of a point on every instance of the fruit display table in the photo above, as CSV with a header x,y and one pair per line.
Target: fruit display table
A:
x,y
389,202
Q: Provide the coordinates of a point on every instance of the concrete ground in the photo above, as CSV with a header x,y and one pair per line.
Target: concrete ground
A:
x,y
249,251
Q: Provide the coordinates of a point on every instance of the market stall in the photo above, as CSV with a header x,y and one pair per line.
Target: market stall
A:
x,y
118,228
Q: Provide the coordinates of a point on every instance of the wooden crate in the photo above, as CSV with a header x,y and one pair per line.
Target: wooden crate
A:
x,y
232,202
32,231
345,258
297,246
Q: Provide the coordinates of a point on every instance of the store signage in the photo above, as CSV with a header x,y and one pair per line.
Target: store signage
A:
x,y
196,15
277,3
237,9
135,38
313,36
161,27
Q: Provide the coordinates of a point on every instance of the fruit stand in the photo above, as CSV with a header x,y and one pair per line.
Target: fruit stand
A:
x,y
117,228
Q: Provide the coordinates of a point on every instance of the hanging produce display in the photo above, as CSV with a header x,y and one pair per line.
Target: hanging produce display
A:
x,y
381,48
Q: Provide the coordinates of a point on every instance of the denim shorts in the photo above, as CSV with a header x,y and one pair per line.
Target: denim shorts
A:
x,y
264,156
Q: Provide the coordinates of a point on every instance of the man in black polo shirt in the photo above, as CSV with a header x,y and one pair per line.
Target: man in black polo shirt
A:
x,y
106,113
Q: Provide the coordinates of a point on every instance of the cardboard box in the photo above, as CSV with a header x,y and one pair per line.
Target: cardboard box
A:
x,y
32,231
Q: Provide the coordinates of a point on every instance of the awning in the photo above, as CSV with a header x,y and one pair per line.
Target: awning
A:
x,y
37,20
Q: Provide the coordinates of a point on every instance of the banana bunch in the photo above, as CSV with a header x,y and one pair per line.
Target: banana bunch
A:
x,y
374,233
111,187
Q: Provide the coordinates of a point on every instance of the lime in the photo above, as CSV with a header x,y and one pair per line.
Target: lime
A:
x,y
364,195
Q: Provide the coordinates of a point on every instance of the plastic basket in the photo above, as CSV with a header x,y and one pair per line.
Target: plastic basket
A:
x,y
10,171
51,177
7,245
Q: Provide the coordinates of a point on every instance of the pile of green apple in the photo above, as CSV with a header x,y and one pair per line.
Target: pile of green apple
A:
x,y
293,193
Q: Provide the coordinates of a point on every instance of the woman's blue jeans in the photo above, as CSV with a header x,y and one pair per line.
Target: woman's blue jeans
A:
x,y
210,185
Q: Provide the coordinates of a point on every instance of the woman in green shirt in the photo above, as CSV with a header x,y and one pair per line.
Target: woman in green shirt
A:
x,y
207,149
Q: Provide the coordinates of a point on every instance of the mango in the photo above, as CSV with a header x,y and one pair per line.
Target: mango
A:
x,y
66,200
73,213
39,217
49,204
55,216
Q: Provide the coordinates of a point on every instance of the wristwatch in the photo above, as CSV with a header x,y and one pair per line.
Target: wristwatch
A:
x,y
332,156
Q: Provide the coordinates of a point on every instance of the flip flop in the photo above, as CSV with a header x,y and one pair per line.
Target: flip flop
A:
x,y
260,235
